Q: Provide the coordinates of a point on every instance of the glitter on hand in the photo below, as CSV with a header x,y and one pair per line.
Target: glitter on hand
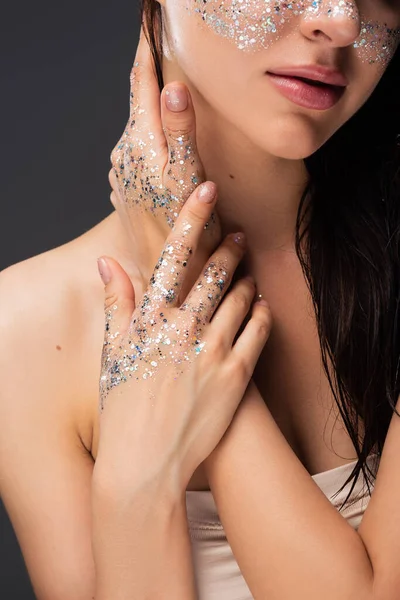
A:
x,y
161,337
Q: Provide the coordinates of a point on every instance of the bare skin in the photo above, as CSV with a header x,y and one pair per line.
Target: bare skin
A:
x,y
52,326
289,374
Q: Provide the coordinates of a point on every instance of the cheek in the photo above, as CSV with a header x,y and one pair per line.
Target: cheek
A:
x,y
254,25
228,78
250,25
211,64
377,43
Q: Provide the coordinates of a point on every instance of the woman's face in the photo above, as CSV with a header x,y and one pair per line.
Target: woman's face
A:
x,y
246,57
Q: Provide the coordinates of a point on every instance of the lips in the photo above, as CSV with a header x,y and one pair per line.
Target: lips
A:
x,y
313,82
313,87
313,73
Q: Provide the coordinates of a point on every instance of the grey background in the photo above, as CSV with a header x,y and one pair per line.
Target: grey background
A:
x,y
64,103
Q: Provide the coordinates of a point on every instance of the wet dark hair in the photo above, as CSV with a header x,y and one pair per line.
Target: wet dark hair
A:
x,y
348,245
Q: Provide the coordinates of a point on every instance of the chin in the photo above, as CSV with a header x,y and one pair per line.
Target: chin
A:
x,y
291,137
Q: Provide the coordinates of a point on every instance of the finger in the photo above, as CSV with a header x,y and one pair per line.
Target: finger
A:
x,y
145,114
207,293
119,302
170,270
184,170
230,315
250,343
142,147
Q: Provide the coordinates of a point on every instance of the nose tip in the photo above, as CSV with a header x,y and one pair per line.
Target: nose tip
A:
x,y
335,21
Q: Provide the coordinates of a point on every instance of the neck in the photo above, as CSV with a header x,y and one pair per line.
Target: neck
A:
x,y
258,193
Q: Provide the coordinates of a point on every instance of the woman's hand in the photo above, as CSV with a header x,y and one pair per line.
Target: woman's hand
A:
x,y
173,372
156,167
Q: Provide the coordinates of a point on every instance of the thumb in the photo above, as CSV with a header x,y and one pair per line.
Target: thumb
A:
x,y
119,301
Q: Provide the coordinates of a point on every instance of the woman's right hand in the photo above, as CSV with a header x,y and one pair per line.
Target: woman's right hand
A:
x,y
156,167
174,368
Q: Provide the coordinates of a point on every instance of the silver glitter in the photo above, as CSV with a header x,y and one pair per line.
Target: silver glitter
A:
x,y
254,25
146,180
156,336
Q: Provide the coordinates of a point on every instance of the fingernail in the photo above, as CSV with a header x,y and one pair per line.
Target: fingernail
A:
x,y
104,270
262,302
207,192
240,239
176,98
250,278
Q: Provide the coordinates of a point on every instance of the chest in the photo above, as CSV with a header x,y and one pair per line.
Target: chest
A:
x,y
291,379
294,386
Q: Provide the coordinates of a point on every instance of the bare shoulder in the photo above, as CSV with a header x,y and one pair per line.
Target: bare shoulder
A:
x,y
51,324
51,327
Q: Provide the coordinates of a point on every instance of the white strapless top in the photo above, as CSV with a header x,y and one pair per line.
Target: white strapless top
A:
x,y
217,573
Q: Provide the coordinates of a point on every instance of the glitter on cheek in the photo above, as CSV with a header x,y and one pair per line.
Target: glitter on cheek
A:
x,y
248,24
377,43
253,25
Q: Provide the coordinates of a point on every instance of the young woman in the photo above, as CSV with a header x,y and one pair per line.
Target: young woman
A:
x,y
202,430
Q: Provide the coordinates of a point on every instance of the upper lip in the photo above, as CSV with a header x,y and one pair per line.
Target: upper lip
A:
x,y
328,75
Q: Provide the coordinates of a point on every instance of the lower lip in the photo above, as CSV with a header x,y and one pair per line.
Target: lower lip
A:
x,y
307,95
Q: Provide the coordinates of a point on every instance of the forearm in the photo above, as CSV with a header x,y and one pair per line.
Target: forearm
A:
x,y
141,544
289,540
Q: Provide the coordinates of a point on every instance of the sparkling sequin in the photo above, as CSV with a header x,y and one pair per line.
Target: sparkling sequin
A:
x,y
253,25
377,43
159,335
146,181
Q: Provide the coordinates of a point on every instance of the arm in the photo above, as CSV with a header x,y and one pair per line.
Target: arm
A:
x,y
45,471
289,540
141,543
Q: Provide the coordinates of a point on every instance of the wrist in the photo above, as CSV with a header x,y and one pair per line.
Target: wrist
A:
x,y
140,542
123,486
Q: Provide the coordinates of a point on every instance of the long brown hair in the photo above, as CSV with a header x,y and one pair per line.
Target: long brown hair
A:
x,y
351,257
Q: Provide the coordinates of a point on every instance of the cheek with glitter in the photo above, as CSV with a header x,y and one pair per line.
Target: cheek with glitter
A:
x,y
377,43
256,24
253,25
249,24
